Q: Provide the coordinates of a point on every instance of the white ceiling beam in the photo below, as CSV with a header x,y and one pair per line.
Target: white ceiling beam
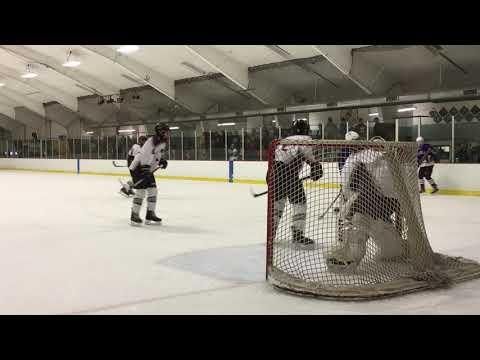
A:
x,y
66,100
340,56
22,100
7,111
97,86
230,68
151,77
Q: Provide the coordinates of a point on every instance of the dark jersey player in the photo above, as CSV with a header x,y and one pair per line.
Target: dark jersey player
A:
x,y
425,159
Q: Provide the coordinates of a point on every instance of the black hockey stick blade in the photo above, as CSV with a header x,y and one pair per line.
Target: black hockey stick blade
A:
x,y
254,194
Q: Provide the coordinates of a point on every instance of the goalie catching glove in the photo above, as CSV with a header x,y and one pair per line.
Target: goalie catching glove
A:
x,y
316,171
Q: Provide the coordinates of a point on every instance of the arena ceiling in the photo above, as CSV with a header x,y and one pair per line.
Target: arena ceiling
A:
x,y
177,81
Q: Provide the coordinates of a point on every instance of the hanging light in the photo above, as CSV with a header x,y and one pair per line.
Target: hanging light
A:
x,y
128,49
29,74
71,61
407,109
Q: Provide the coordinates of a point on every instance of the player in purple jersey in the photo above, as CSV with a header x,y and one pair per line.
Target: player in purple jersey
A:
x,y
425,160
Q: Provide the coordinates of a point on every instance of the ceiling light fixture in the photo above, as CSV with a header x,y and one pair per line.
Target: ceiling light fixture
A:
x,y
2,84
71,61
373,114
407,109
226,124
174,128
127,131
29,74
128,49
89,132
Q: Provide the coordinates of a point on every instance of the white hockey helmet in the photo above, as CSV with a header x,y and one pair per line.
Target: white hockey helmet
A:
x,y
420,140
352,135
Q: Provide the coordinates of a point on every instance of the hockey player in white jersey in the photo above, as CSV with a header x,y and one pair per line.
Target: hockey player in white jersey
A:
x,y
286,184
369,201
146,161
126,189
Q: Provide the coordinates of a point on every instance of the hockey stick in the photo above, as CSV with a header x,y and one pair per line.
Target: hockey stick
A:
x,y
331,204
255,195
116,165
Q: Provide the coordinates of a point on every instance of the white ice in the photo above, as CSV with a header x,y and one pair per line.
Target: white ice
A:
x,y
66,247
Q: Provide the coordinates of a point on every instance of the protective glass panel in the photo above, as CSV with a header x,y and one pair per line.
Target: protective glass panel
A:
x,y
438,133
467,140
189,145
234,145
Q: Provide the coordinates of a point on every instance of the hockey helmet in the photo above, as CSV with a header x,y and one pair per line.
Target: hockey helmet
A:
x,y
301,127
162,130
142,140
352,135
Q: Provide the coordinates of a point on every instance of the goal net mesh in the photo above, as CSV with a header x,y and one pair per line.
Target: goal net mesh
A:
x,y
358,231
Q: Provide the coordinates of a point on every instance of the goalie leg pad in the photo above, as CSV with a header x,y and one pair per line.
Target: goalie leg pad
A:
x,y
151,198
387,239
347,256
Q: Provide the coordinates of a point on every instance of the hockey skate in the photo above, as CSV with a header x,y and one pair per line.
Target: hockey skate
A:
x,y
422,189
298,239
152,219
135,220
435,189
131,192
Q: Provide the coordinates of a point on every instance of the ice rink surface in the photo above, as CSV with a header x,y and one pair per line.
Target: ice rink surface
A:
x,y
67,247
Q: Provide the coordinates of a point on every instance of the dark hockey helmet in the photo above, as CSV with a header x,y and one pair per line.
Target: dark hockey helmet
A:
x,y
162,130
301,127
142,139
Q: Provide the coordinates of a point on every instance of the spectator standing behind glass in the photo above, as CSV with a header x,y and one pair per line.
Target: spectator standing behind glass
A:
x,y
232,153
331,130
361,129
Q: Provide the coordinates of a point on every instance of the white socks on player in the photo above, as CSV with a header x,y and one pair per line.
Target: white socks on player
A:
x,y
299,217
151,199
140,195
138,200
278,207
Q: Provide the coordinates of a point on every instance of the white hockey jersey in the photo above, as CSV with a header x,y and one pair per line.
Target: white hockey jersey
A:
x,y
289,153
149,154
134,150
376,166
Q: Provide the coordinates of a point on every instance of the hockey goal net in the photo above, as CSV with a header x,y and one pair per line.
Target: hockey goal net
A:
x,y
358,231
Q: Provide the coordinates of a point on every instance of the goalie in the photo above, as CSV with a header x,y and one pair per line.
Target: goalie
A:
x,y
370,209
286,184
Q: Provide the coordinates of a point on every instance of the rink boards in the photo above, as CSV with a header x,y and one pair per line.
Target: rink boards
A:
x,y
453,179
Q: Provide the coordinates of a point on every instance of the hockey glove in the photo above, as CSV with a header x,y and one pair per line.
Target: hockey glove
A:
x,y
162,164
316,171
